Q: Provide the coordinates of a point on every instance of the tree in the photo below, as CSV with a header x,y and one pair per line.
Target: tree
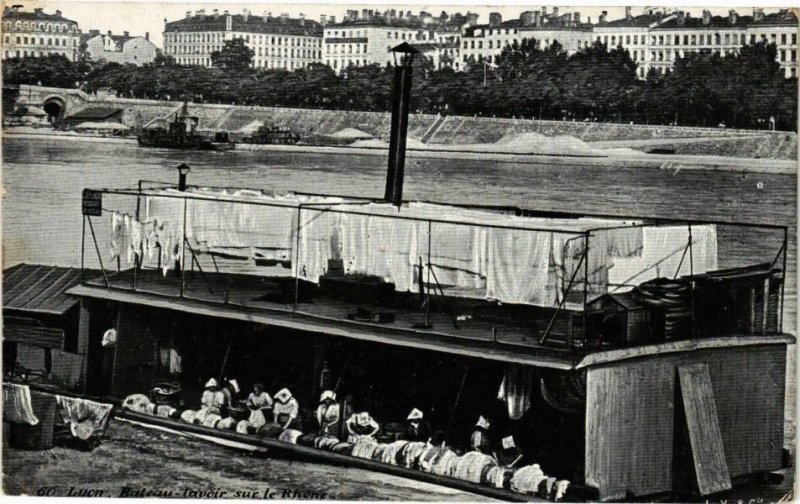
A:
x,y
234,56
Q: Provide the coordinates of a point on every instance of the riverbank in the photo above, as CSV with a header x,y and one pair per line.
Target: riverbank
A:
x,y
614,158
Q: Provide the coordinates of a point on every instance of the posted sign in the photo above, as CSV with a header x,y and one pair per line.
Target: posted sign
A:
x,y
92,203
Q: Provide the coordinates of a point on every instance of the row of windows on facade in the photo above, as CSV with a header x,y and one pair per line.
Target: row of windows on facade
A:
x,y
63,42
40,26
709,39
256,39
259,51
257,63
334,48
32,54
670,55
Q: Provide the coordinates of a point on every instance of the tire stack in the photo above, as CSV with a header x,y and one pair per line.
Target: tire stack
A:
x,y
672,299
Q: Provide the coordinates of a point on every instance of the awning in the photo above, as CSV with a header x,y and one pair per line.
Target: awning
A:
x,y
39,289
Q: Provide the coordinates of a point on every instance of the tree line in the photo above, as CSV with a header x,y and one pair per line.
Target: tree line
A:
x,y
741,90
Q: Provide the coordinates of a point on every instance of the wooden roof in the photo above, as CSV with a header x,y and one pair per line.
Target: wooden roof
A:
x,y
39,289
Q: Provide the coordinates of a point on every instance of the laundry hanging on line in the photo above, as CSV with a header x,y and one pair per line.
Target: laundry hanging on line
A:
x,y
516,390
17,407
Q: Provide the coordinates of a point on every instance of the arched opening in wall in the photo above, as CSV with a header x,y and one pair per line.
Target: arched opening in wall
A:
x,y
55,108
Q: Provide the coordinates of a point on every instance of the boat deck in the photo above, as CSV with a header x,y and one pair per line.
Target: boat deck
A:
x,y
465,325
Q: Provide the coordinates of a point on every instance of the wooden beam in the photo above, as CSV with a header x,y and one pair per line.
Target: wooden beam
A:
x,y
705,436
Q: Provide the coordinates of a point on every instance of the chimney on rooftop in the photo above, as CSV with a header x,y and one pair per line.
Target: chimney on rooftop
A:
x,y
495,18
537,18
147,35
544,11
555,11
758,14
628,14
246,14
603,16
302,19
364,14
681,18
188,14
216,13
576,18
323,19
37,11
332,20
109,33
58,13
706,17
126,34
733,17
526,18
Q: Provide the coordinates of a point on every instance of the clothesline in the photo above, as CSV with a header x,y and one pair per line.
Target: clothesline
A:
x,y
472,253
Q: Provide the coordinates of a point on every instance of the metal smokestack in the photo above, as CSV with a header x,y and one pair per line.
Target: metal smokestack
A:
x,y
403,58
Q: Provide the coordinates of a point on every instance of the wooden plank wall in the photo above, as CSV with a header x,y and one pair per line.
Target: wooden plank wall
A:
x,y
630,414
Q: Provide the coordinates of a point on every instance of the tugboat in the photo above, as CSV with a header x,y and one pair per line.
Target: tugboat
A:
x,y
274,135
181,133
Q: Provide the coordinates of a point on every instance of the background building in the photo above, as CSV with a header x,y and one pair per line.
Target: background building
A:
x,y
278,42
365,40
36,34
631,33
119,48
781,29
486,42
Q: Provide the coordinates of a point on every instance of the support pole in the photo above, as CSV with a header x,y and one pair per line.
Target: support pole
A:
x,y
83,247
691,275
585,287
297,260
183,252
783,274
97,248
428,287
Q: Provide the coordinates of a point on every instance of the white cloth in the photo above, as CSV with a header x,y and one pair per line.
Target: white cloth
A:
x,y
662,250
17,406
518,266
471,465
92,416
516,390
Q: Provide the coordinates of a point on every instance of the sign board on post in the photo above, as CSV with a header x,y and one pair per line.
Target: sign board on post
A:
x,y
92,203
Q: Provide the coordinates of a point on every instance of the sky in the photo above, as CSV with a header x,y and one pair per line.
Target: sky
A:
x,y
140,16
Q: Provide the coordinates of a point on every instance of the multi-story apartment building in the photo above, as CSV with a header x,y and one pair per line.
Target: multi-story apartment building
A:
x,y
123,49
486,42
365,40
780,29
631,33
278,42
37,34
682,34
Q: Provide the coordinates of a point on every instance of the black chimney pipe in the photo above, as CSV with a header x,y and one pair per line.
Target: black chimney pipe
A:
x,y
397,141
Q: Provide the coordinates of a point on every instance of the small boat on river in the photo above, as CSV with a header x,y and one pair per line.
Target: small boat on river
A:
x,y
181,133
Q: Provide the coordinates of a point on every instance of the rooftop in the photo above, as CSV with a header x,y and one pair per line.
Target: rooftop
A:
x,y
95,113
714,23
37,14
247,23
39,289
785,17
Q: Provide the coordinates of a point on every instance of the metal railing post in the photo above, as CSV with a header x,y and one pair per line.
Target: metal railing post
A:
x,y
297,260
183,251
83,247
428,290
585,288
691,275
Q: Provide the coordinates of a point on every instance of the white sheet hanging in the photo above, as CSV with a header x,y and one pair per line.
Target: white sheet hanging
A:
x,y
518,266
663,251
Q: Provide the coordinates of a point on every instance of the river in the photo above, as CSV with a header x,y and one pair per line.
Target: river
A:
x,y
43,179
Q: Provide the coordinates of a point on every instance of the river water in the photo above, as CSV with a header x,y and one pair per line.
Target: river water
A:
x,y
43,179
